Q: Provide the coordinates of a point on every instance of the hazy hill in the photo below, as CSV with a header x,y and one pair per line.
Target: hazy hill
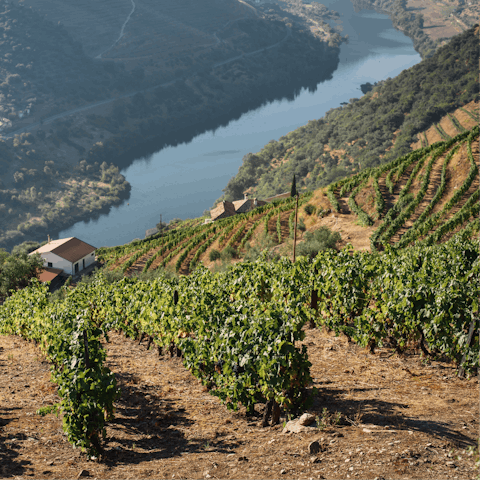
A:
x,y
43,67
368,131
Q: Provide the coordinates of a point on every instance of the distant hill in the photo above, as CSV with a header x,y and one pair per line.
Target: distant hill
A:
x,y
425,196
42,64
369,131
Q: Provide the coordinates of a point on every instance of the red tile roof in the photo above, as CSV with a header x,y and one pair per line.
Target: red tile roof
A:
x,y
49,274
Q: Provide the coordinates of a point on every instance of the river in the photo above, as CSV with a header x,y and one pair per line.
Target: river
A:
x,y
184,180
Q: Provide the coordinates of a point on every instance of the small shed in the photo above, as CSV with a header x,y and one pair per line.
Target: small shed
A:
x,y
70,255
222,210
247,204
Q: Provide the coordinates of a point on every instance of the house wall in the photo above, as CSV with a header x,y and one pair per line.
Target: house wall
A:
x,y
65,265
89,259
246,207
224,215
57,262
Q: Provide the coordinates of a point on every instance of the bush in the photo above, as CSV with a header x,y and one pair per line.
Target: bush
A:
x,y
316,241
301,225
25,247
310,209
263,247
214,255
228,253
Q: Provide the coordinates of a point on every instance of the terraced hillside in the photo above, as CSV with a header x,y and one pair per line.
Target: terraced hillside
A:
x,y
427,196
182,248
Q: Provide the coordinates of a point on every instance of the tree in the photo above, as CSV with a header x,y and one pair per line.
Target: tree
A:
x,y
293,192
17,270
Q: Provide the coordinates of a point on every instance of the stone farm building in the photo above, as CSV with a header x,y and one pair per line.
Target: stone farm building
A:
x,y
227,209
68,254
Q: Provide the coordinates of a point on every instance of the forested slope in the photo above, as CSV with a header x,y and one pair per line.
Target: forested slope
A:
x,y
368,131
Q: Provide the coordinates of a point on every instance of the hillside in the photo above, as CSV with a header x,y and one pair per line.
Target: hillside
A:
x,y
155,32
79,97
43,69
378,127
425,196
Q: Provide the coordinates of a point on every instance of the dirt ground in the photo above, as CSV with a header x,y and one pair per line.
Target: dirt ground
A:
x,y
401,418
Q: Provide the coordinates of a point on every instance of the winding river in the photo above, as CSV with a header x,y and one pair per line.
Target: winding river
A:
x,y
184,180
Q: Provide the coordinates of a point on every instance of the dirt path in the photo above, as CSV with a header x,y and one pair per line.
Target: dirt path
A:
x,y
400,418
122,31
185,267
388,198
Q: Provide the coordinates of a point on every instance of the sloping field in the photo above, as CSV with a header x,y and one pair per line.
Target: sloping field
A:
x,y
185,246
426,196
432,192
463,118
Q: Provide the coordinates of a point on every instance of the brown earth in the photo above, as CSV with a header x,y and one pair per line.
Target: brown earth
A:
x,y
448,127
433,184
366,199
343,223
457,172
400,417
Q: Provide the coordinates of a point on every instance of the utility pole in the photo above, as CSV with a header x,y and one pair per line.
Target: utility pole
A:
x,y
295,229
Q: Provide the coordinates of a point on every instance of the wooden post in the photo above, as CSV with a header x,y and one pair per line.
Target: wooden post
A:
x,y
461,370
295,229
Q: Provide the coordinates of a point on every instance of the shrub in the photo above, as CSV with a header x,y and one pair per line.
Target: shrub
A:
x,y
228,253
316,241
214,255
310,209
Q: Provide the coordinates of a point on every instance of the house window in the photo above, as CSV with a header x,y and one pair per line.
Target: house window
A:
x,y
50,264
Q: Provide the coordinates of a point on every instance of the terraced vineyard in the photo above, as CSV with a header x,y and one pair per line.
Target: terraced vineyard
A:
x,y
190,243
427,195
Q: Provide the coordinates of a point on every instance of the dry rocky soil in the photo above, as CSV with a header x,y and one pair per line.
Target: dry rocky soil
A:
x,y
377,416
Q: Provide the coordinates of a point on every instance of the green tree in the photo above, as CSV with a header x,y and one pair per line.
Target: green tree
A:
x,y
16,271
293,191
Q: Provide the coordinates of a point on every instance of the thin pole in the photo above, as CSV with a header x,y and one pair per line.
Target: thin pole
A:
x,y
295,229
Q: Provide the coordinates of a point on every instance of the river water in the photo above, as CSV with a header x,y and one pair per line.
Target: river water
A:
x,y
184,180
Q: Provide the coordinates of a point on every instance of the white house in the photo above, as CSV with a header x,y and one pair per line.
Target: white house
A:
x,y
69,254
